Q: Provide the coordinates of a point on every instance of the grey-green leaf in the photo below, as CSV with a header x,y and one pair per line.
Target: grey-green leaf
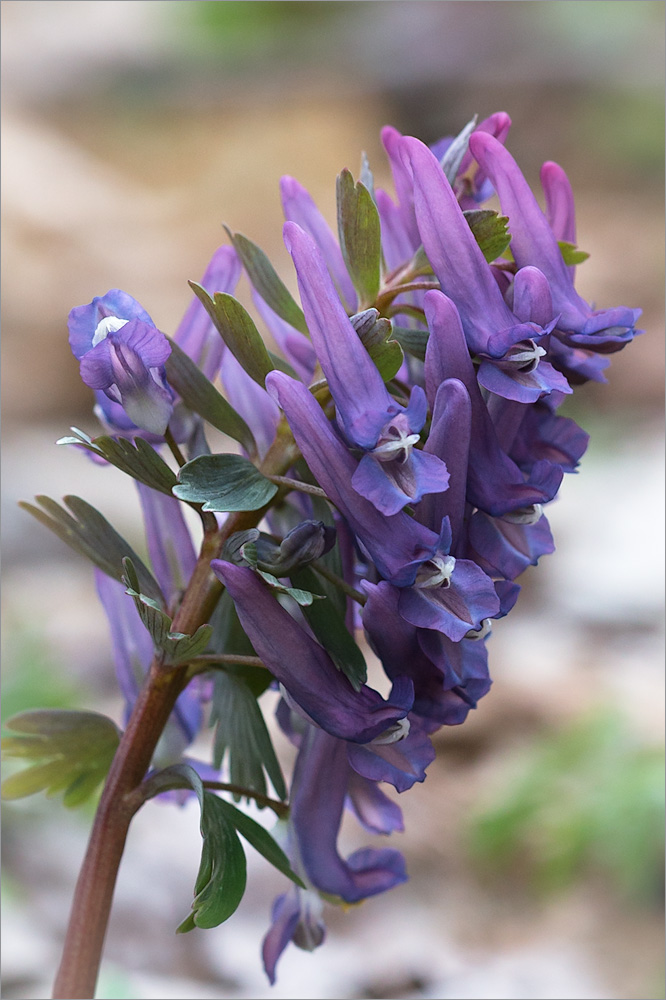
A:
x,y
90,534
224,483
222,876
329,627
241,732
176,646
360,237
137,458
413,341
265,279
453,156
240,334
203,398
490,231
262,841
302,597
388,358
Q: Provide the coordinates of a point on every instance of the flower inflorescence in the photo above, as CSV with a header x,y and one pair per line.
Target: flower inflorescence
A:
x,y
417,389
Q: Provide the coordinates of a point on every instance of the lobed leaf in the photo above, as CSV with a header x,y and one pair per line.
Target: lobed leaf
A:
x,y
176,646
73,751
222,876
242,734
137,458
413,341
261,840
571,254
490,231
90,534
240,334
224,483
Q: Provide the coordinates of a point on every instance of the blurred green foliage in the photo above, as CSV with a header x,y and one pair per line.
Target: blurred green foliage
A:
x,y
590,800
238,30
34,677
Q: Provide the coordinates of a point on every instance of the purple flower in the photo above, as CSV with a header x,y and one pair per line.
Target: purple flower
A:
x,y
560,208
122,354
449,677
299,208
507,546
250,400
533,242
295,346
304,668
506,344
297,917
132,654
392,473
397,544
319,790
494,482
449,595
329,774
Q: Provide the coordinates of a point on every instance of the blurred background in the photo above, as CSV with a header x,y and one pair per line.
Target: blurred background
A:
x,y
132,131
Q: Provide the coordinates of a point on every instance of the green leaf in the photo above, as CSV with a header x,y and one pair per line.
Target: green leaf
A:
x,y
413,341
375,334
261,840
241,732
176,646
203,398
490,231
388,358
222,876
137,459
223,483
329,628
360,236
263,276
90,534
74,750
229,637
302,597
571,254
240,334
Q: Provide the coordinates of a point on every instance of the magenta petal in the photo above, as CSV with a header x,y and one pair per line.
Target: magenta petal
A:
x,y
560,208
532,301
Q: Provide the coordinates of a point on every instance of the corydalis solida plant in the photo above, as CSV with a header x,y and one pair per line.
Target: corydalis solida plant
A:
x,y
389,475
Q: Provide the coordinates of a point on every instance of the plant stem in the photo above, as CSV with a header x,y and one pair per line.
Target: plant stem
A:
x,y
93,895
342,585
279,808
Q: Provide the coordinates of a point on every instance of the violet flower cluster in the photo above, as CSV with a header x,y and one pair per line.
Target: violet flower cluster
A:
x,y
418,391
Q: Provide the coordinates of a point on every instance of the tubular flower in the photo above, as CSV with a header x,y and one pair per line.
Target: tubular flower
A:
x,y
533,242
122,355
392,472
